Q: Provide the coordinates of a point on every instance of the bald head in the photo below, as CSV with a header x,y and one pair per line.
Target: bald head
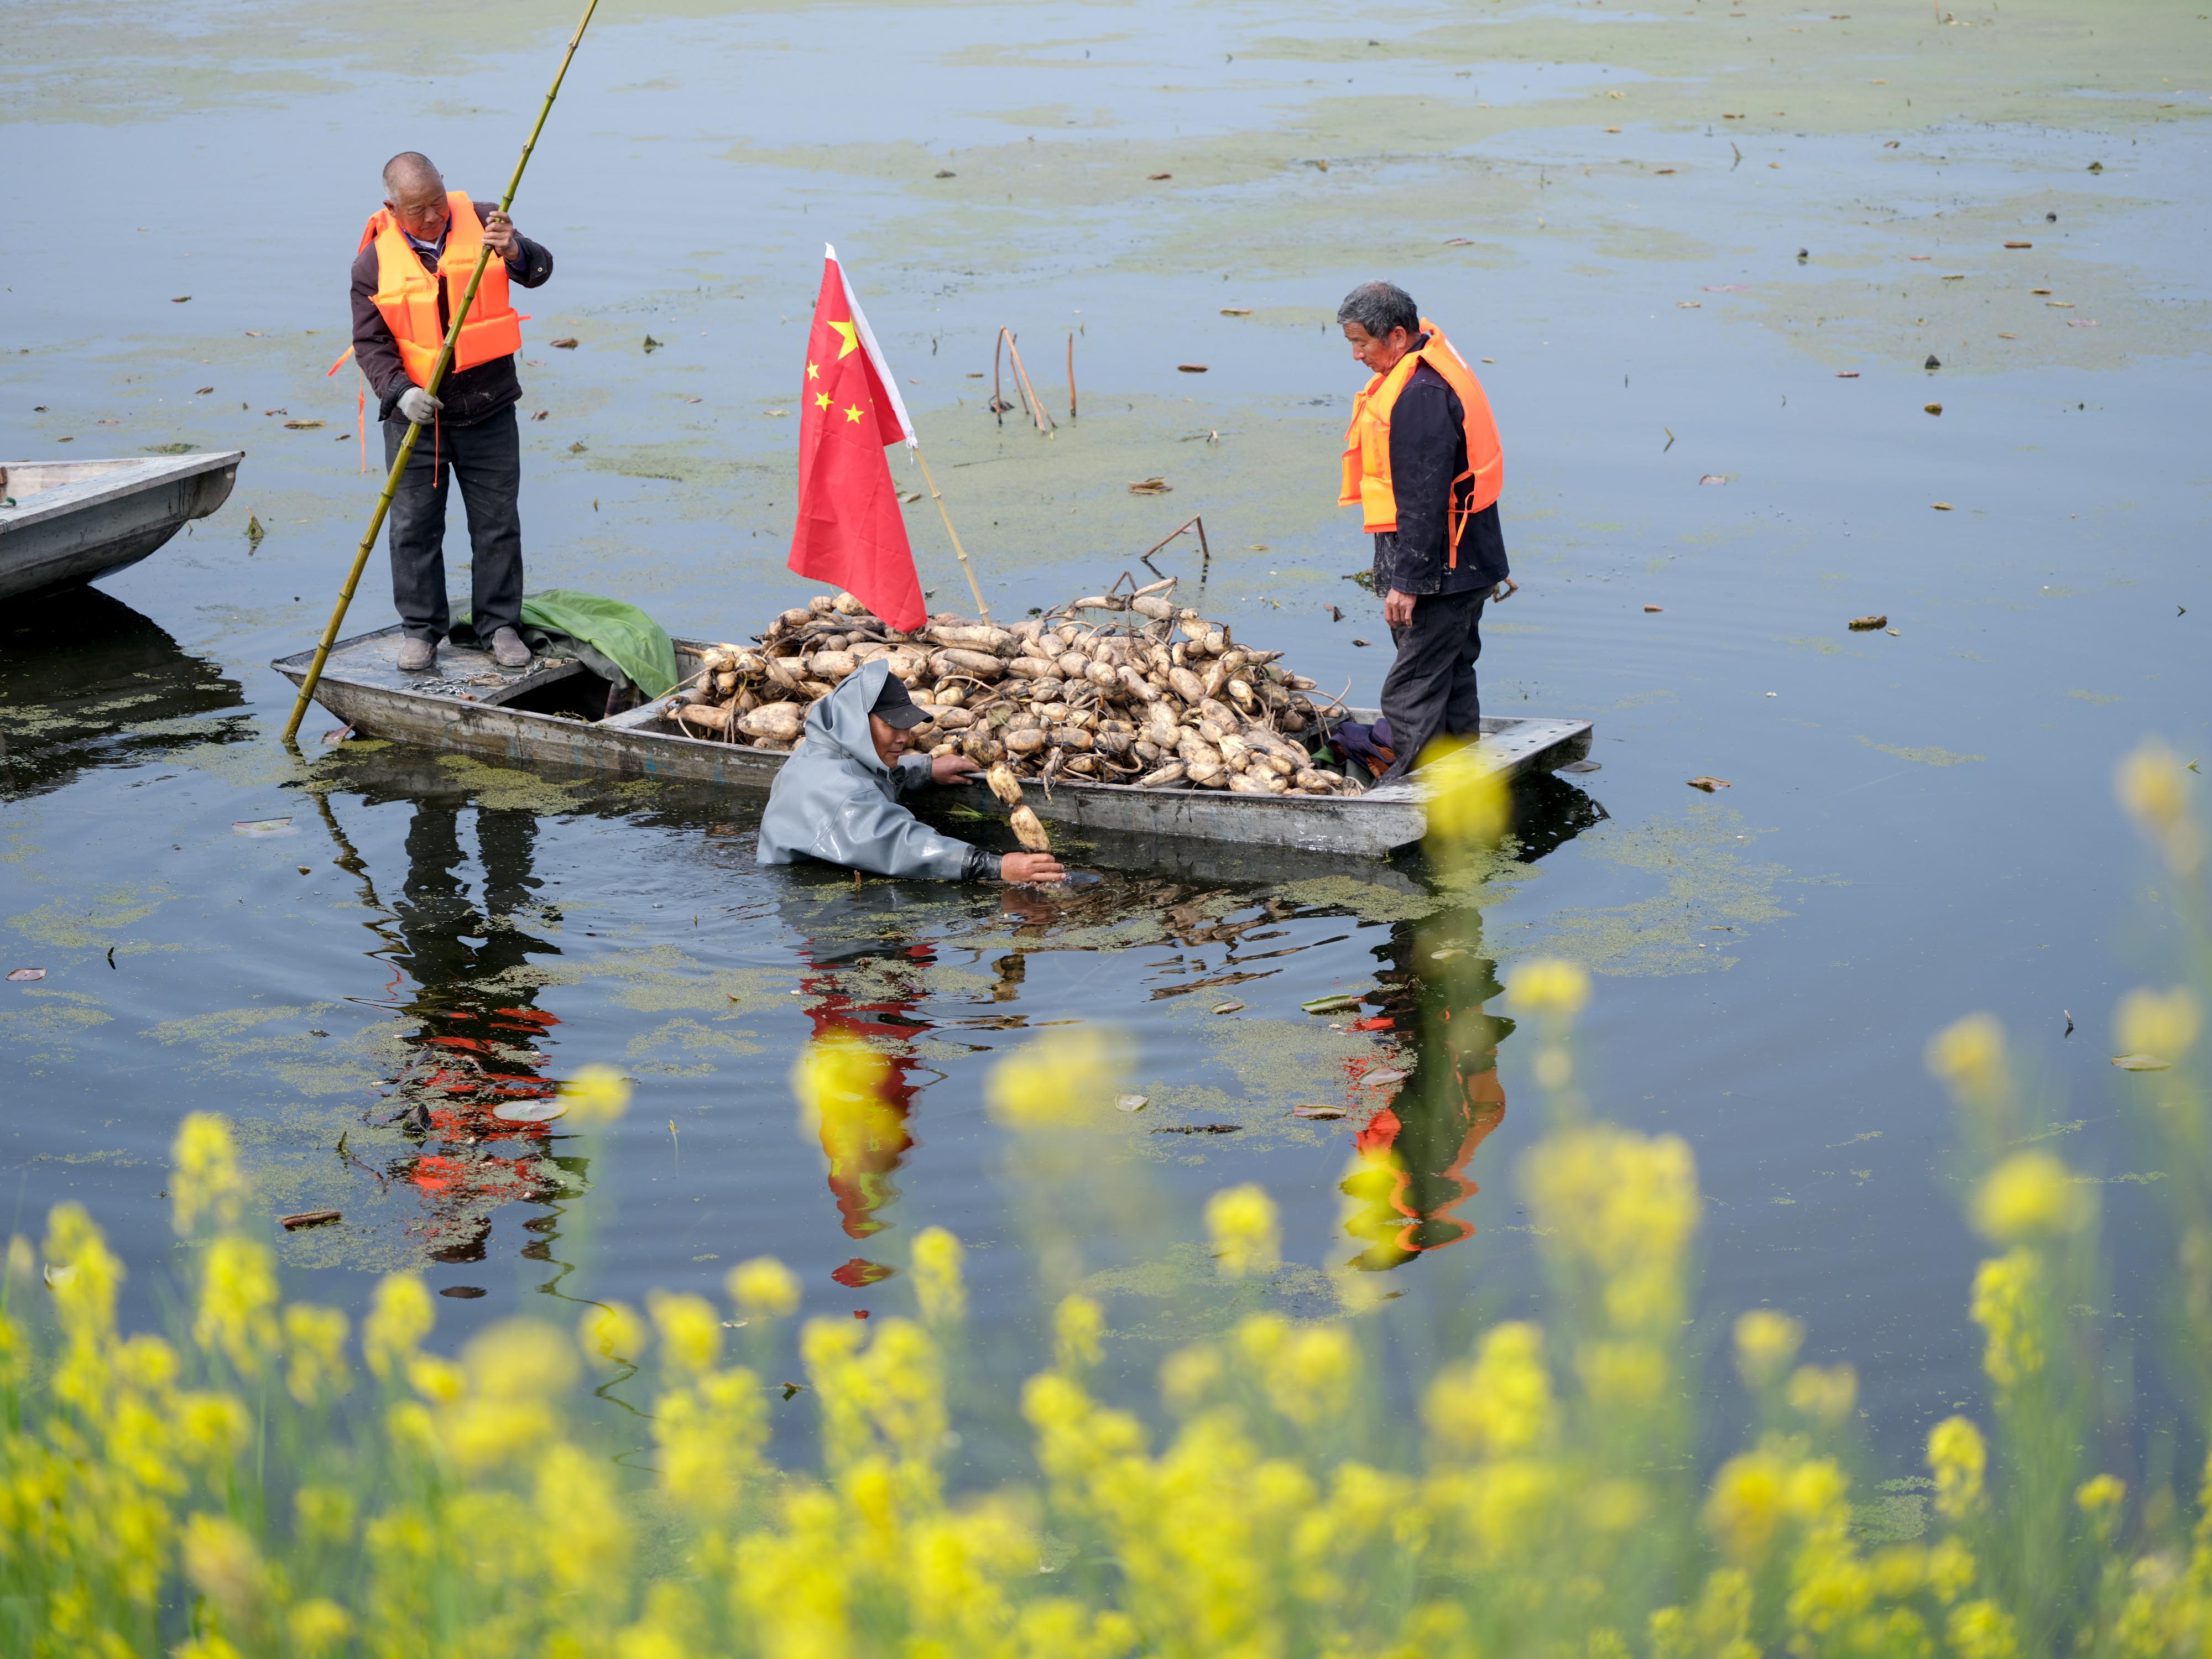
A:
x,y
415,194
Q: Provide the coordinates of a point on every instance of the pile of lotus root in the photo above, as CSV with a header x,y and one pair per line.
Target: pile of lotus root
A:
x,y
1120,688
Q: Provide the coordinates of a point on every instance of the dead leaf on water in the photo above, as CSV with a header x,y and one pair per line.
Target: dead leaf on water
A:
x,y
2141,1062
1932,409
1868,624
307,1218
1385,1074
57,1274
1227,1007
1317,1111
302,426
1132,1103
20,976
1448,953
263,827
1155,177
1363,642
652,344
542,1110
1333,1005
1714,478
203,392
2060,305
1237,311
1459,241
791,1388
1847,374
1711,784
1654,607
1689,305
568,344
1322,166
1940,507
1150,487
541,414
180,299
2020,244
1190,368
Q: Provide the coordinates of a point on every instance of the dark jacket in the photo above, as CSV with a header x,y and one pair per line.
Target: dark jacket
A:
x,y
1428,450
469,394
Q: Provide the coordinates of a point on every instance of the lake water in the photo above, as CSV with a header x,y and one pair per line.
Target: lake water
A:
x,y
1706,335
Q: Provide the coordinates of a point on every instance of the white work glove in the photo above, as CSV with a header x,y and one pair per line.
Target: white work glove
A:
x,y
418,405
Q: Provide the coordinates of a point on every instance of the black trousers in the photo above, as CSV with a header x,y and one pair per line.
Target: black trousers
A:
x,y
486,456
1431,690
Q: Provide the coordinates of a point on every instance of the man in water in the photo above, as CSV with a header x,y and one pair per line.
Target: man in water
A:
x,y
1421,460
836,799
413,266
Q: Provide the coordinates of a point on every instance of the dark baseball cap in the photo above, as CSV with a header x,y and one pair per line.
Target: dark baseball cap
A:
x,y
894,707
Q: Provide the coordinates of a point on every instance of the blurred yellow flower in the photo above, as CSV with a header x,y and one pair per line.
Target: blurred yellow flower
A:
x,y
2160,1022
2007,1304
935,1269
223,1566
1240,1222
1550,985
597,1094
2030,1196
1188,1374
1621,1375
324,1515
400,1316
317,1626
1063,1077
2154,786
690,1335
518,1359
314,1341
1765,1342
1968,1055
612,1331
763,1288
1746,1510
1982,1630
1500,1405
1077,1323
1825,1394
1957,1458
238,1302
205,1183
1470,804
2101,1495
1312,1379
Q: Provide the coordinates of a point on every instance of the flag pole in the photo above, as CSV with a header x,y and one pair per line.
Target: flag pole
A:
x,y
437,375
966,569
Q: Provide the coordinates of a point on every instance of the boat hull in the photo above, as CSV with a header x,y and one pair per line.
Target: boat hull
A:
x,y
77,521
364,689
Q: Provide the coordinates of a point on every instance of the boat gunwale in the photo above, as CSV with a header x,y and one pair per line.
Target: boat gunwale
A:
x,y
135,474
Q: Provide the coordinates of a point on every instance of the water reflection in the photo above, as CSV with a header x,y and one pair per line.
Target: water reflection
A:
x,y
83,676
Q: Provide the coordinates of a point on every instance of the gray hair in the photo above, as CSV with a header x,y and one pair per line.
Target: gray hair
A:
x,y
409,164
1378,307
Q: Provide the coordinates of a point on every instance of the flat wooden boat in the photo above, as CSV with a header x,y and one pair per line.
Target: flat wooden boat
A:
x,y
76,521
548,715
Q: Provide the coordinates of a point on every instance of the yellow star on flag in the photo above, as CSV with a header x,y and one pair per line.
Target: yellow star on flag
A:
x,y
813,370
821,400
852,413
851,334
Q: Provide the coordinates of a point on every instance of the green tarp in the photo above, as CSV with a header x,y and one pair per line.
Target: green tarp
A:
x,y
622,634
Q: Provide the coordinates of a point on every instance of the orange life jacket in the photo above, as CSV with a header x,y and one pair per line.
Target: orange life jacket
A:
x,y
1367,439
407,294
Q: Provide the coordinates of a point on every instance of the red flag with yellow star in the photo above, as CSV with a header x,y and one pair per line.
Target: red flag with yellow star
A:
x,y
850,531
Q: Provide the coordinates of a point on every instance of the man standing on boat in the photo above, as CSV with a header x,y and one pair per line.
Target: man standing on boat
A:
x,y
413,265
1421,461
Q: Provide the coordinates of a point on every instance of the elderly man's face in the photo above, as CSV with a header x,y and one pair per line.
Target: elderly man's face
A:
x,y
419,206
1382,355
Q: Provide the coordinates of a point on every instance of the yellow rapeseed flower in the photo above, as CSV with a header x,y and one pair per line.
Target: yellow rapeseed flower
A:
x,y
518,1359
1188,1374
611,1331
1968,1056
2154,786
597,1094
1825,1394
2007,1304
763,1288
1240,1222
205,1183
1621,1375
223,1566
1470,804
2030,1196
1499,1405
400,1315
1062,1077
1625,1206
2100,1498
1957,1458
238,1302
317,1626
324,1515
2160,1022
1313,1374
1747,1506
1765,1342
1982,1630
1550,985
585,1533
690,1335
711,1436
1951,1570
314,1341
937,1286
1077,1323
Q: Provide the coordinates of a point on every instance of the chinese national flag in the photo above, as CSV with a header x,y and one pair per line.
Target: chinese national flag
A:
x,y
850,531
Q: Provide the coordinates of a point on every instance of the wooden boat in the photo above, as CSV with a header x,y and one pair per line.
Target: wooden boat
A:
x,y
75,521
550,715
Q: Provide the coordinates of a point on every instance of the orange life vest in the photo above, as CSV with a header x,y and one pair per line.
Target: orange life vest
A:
x,y
407,295
1367,439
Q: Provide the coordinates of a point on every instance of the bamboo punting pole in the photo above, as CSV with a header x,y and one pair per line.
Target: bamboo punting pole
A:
x,y
966,569
437,378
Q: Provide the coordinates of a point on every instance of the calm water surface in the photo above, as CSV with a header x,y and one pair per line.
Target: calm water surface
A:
x,y
1919,823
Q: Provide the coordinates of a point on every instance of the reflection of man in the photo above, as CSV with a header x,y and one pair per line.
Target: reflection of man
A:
x,y
1421,461
414,265
837,799
473,1051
